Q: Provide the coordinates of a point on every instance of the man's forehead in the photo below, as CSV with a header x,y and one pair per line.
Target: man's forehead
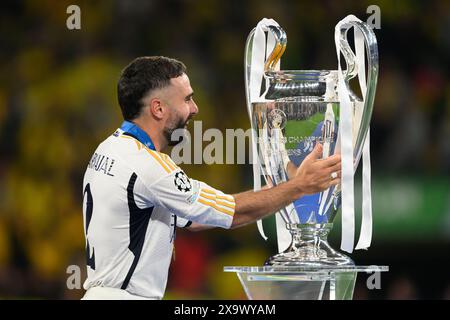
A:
x,y
181,81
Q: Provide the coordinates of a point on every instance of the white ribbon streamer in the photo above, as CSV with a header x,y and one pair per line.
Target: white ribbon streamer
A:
x,y
365,236
346,134
346,140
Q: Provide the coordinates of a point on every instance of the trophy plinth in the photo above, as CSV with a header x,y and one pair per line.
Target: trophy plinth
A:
x,y
300,283
309,247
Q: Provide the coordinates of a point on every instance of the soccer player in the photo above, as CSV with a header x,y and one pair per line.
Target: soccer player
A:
x,y
134,196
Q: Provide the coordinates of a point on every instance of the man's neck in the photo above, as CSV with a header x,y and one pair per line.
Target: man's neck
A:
x,y
155,135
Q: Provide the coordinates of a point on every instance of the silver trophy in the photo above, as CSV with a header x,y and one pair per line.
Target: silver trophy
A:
x,y
295,110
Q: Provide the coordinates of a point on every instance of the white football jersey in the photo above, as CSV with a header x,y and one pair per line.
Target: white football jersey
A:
x,y
133,200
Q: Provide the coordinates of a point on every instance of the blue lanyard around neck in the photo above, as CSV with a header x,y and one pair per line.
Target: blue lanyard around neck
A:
x,y
133,130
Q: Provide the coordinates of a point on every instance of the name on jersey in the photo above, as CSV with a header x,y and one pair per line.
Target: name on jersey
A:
x,y
102,163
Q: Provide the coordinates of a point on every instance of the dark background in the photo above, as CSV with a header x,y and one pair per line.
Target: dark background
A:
x,y
58,101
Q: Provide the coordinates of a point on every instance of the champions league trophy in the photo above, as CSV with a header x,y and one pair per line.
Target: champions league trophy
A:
x,y
290,112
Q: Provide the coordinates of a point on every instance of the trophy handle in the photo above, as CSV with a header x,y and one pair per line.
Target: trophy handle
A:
x,y
275,56
278,50
352,70
248,67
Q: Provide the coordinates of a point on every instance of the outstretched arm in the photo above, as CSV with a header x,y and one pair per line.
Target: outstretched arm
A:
x,y
313,175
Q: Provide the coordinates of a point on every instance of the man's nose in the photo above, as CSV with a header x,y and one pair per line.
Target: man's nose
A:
x,y
194,108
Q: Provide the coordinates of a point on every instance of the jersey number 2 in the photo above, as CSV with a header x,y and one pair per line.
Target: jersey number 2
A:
x,y
90,260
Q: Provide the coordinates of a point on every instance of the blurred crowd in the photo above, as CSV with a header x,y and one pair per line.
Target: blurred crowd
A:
x,y
58,101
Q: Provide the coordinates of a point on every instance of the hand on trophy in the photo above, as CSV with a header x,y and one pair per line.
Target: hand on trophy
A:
x,y
316,174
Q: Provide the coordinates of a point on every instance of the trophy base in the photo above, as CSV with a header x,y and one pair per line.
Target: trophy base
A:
x,y
309,247
301,282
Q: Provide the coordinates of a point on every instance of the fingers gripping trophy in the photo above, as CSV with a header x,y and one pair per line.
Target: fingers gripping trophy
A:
x,y
292,111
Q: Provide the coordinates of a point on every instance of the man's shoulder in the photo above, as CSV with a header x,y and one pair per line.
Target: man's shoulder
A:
x,y
140,157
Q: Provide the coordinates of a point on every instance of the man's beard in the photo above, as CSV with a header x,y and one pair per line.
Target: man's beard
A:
x,y
168,131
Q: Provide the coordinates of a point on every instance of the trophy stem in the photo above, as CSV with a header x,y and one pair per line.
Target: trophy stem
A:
x,y
309,247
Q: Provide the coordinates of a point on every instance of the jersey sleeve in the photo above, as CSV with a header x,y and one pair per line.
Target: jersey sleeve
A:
x,y
193,200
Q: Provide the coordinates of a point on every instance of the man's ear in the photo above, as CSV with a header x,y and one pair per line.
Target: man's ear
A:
x,y
156,108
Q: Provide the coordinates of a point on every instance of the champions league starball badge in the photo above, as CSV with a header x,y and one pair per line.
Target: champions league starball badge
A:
x,y
277,119
297,109
182,182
